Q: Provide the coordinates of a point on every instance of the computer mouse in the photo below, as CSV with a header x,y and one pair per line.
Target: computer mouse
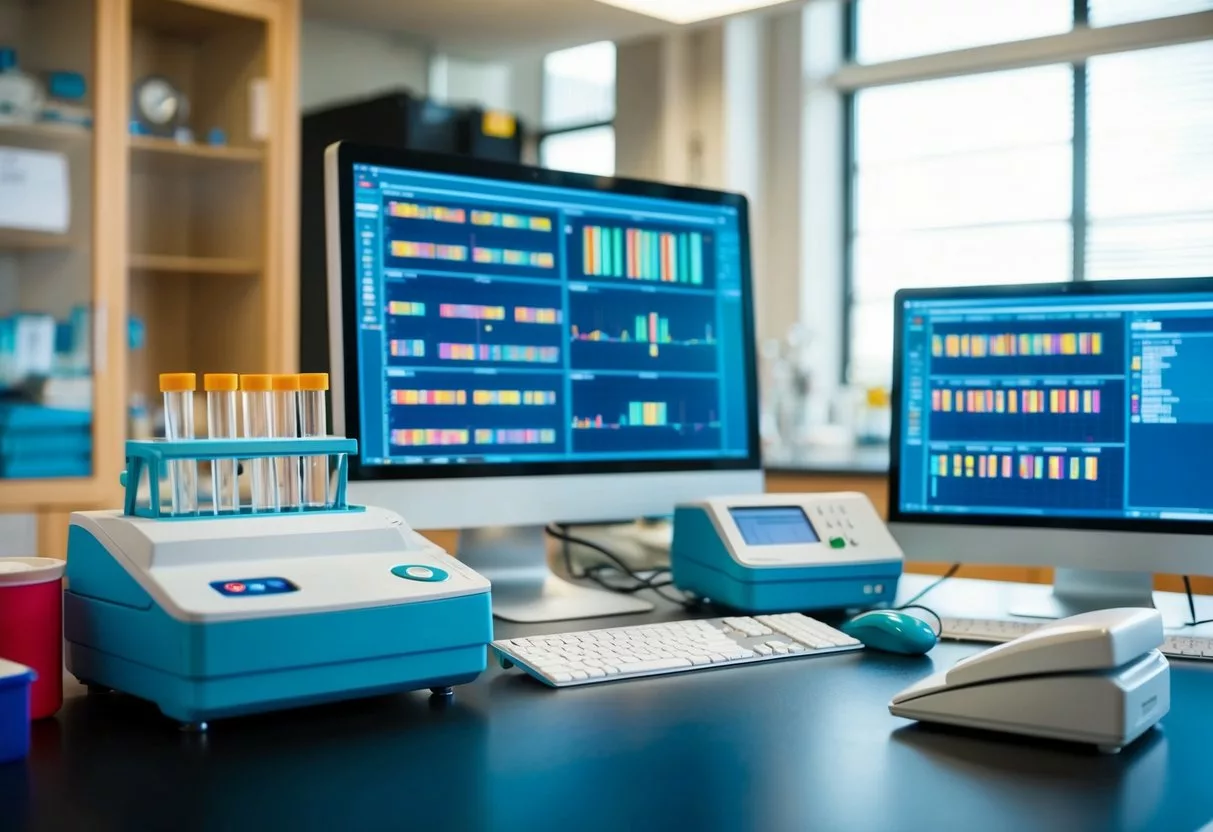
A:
x,y
892,632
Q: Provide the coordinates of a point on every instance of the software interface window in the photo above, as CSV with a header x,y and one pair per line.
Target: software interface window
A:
x,y
1082,406
506,322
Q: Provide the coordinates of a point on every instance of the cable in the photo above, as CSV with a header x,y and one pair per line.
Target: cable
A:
x,y
913,604
1192,605
952,570
652,582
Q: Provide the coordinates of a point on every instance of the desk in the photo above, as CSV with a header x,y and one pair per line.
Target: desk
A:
x,y
801,745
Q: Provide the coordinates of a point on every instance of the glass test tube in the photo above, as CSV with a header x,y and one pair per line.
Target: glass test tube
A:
x,y
313,422
286,426
178,390
221,424
258,424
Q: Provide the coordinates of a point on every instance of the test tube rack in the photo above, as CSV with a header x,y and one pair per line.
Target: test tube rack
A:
x,y
150,459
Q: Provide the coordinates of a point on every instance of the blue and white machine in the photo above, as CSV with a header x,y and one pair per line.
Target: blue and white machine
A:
x,y
212,616
785,552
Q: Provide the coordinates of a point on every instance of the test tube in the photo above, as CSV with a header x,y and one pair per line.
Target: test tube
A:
x,y
221,424
313,422
286,426
258,424
178,390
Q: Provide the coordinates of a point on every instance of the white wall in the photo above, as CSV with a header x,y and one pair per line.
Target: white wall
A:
x,y
338,63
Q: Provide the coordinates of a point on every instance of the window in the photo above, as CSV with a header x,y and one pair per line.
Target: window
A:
x,y
964,171
579,109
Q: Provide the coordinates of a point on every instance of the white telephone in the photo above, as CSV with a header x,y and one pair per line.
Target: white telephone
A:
x,y
1093,678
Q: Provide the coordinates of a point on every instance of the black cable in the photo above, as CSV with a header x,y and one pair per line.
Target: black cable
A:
x,y
652,582
952,570
1192,605
930,612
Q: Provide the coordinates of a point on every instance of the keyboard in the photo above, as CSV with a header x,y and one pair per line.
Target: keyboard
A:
x,y
585,658
998,631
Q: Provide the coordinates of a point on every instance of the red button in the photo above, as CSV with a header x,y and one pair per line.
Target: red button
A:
x,y
234,587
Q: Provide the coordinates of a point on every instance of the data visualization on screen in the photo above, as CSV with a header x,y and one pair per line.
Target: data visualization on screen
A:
x,y
513,322
1057,405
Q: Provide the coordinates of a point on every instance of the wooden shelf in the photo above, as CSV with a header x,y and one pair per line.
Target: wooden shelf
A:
x,y
15,239
169,154
168,263
44,135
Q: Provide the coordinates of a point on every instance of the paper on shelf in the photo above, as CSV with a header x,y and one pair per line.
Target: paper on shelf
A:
x,y
34,191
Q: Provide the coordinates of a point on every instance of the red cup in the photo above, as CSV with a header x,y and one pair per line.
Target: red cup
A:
x,y
31,626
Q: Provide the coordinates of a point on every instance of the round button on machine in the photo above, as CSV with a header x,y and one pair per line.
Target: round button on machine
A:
x,y
419,573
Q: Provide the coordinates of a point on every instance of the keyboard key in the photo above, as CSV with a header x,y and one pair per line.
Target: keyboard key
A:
x,y
560,677
595,673
580,675
656,664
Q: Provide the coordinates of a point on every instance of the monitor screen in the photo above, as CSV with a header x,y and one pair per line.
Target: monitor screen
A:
x,y
504,322
773,525
1057,404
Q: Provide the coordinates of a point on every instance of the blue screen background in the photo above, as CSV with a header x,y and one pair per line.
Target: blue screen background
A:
x,y
510,322
1118,424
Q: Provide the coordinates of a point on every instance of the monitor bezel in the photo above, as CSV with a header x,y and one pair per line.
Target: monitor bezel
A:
x,y
1093,289
347,155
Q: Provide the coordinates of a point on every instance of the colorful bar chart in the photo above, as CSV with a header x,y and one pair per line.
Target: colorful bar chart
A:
x,y
412,437
472,311
407,308
1007,466
436,213
513,397
407,348
513,257
1016,400
429,251
643,254
515,436
533,315
984,345
503,220
639,415
499,352
439,397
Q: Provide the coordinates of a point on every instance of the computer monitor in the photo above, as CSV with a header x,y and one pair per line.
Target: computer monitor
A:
x,y
1066,425
514,346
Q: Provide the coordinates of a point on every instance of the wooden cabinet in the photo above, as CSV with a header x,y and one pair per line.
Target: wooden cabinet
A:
x,y
192,236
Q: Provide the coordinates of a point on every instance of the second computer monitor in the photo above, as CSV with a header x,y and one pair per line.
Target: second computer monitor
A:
x,y
1064,425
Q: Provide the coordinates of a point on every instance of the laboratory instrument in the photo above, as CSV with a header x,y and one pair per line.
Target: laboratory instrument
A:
x,y
178,390
313,410
618,403
31,625
569,659
999,630
892,632
221,615
221,394
15,680
1056,425
258,404
21,95
785,552
285,425
1096,678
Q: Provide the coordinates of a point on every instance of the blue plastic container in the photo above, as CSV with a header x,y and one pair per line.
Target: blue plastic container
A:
x,y
15,680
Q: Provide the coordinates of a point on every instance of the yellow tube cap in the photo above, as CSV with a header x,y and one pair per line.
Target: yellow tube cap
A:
x,y
285,382
313,381
255,382
220,382
178,382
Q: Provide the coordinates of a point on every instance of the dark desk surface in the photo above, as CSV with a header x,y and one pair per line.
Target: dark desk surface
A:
x,y
799,745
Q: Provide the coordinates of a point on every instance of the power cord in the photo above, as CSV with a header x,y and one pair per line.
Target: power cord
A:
x,y
1192,622
657,581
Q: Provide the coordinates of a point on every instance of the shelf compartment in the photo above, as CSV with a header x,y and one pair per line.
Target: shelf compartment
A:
x,y
167,155
43,135
176,264
16,239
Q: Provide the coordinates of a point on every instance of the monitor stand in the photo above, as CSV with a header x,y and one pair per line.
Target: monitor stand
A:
x,y
514,559
1084,590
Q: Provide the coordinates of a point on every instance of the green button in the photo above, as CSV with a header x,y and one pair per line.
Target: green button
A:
x,y
838,543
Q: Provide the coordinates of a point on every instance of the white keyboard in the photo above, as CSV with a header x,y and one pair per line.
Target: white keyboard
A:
x,y
568,659
998,631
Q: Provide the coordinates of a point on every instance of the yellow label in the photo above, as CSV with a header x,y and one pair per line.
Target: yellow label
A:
x,y
498,124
